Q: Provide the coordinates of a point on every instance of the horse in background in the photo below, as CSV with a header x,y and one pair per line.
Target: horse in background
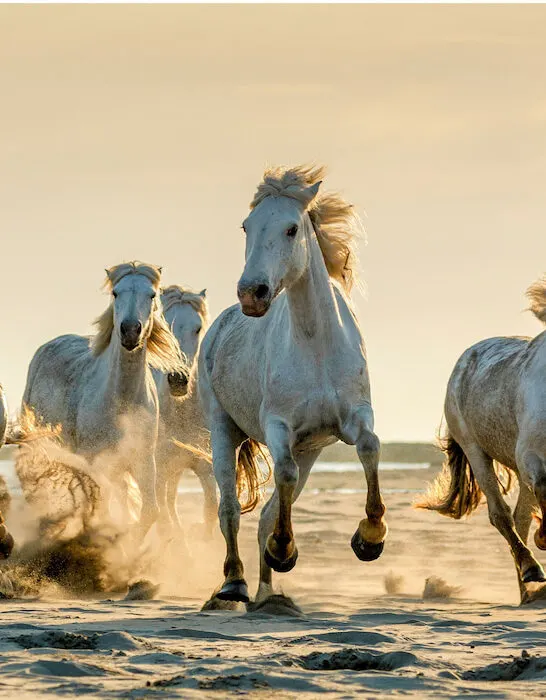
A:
x,y
181,417
286,368
495,409
100,390
6,540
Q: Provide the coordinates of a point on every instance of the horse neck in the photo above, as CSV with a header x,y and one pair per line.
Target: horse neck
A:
x,y
127,372
314,313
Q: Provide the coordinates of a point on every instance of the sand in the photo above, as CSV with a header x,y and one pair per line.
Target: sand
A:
x,y
350,638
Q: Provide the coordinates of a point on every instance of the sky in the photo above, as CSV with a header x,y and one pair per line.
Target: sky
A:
x,y
141,132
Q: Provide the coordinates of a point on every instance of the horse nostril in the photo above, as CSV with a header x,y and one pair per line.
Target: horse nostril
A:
x,y
133,328
262,291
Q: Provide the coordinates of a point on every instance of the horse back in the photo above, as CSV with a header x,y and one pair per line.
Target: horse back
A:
x,y
54,372
484,395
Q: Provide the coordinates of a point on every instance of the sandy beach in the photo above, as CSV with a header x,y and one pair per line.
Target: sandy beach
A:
x,y
351,638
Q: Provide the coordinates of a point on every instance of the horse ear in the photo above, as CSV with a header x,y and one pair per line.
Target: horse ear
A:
x,y
203,293
312,190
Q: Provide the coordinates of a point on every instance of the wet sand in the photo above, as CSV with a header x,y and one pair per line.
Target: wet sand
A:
x,y
352,637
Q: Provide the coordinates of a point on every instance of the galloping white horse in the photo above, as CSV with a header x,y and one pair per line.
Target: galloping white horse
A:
x,y
181,417
101,390
287,368
495,410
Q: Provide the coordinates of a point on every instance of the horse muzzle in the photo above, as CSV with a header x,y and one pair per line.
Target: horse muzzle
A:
x,y
130,334
178,383
255,299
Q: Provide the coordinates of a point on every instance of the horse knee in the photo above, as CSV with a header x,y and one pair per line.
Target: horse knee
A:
x,y
286,473
500,516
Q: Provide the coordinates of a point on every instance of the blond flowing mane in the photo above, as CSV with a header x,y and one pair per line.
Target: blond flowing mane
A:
x,y
175,295
162,349
537,296
337,226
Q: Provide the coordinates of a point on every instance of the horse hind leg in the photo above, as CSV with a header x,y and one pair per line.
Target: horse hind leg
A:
x,y
500,516
226,437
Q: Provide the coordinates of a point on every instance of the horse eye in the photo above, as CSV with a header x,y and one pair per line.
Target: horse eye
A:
x,y
198,330
153,295
115,294
291,232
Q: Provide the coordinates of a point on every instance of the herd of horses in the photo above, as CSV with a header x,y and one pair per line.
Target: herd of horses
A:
x,y
276,378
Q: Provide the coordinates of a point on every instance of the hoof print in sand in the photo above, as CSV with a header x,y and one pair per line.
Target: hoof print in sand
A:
x,y
236,682
355,660
525,667
276,605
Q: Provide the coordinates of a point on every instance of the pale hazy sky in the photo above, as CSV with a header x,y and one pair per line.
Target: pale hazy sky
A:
x,y
142,131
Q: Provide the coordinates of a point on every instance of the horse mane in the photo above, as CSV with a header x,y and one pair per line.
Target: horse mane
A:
x,y
162,349
336,224
537,296
175,295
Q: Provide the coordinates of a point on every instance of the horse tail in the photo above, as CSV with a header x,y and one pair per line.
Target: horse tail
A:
x,y
455,491
537,296
250,477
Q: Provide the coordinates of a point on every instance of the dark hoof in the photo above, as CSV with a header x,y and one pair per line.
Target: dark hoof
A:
x,y
366,551
281,566
234,590
534,574
6,546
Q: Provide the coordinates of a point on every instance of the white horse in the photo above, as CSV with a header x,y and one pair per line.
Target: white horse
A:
x,y
186,314
101,391
495,410
287,369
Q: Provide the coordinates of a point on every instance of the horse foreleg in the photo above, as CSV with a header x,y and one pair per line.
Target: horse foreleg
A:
x,y
172,497
203,471
535,468
146,477
225,439
523,516
523,512
164,521
280,552
269,515
369,539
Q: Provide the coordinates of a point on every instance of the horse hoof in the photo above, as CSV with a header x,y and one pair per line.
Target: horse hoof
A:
x,y
366,551
281,566
234,590
7,544
534,574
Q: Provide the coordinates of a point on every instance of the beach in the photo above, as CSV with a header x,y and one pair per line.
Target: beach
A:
x,y
364,628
